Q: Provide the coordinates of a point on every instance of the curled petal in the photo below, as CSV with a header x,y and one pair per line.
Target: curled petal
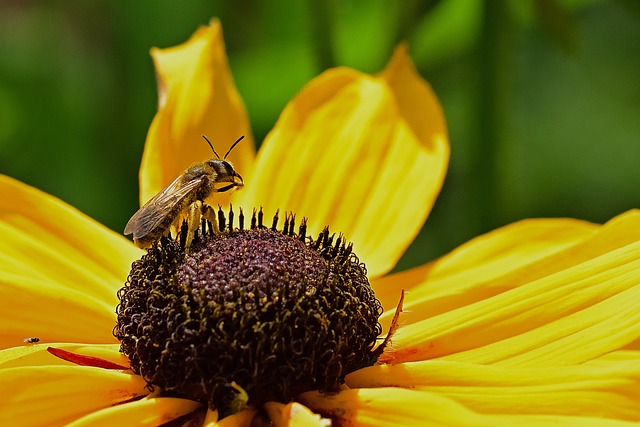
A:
x,y
85,360
353,151
196,96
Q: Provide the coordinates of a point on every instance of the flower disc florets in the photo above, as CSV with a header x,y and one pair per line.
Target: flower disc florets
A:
x,y
269,312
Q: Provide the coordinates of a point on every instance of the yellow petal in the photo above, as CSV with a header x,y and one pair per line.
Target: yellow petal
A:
x,y
416,100
620,356
146,412
568,316
589,333
294,414
462,276
59,269
389,407
620,365
501,260
610,388
239,419
51,313
345,153
54,395
196,96
210,419
402,407
46,238
37,355
547,246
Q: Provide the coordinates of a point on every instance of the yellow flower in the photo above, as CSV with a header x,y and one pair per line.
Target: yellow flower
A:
x,y
536,323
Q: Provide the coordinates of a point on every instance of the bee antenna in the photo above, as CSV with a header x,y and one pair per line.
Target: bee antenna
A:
x,y
211,145
233,145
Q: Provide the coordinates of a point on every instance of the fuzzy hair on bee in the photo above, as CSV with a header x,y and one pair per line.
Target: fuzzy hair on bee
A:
x,y
185,195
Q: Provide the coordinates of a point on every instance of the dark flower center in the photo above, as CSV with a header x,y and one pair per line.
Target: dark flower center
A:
x,y
248,316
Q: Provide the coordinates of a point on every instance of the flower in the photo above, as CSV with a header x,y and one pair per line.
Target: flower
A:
x,y
533,323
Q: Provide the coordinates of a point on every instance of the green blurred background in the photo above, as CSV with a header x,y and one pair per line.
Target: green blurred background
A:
x,y
542,98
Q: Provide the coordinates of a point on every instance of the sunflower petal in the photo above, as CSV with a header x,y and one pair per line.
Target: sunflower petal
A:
x,y
196,96
591,332
566,242
148,411
609,388
43,237
389,406
37,355
402,407
460,277
416,100
239,419
54,395
571,314
59,269
294,414
346,153
210,419
36,308
621,365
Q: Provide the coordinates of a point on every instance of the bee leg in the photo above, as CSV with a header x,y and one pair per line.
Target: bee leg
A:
x,y
210,215
174,229
193,222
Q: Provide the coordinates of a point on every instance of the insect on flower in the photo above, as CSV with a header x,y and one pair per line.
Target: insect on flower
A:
x,y
186,194
31,340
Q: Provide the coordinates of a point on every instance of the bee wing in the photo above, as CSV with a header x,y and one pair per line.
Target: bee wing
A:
x,y
156,209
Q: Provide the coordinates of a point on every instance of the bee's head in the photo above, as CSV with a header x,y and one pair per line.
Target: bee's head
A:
x,y
226,177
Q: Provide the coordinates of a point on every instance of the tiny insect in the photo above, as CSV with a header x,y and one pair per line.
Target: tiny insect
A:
x,y
186,193
31,340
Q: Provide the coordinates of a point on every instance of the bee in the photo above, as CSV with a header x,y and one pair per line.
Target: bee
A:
x,y
31,340
186,193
